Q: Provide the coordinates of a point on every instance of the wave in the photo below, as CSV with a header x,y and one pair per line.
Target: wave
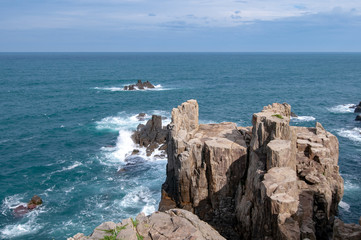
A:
x,y
11,202
157,87
125,124
139,196
303,119
352,134
27,225
344,206
343,108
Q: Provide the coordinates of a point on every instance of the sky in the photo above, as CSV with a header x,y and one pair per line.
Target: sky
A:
x,y
180,26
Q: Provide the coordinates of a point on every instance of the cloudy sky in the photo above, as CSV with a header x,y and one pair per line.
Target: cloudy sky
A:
x,y
188,25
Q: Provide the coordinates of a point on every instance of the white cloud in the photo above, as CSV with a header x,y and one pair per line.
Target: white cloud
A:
x,y
137,14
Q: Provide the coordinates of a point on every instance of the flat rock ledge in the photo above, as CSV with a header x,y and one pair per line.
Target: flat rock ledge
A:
x,y
172,224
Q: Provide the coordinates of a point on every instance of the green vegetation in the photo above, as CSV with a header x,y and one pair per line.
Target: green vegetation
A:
x,y
113,232
277,115
135,224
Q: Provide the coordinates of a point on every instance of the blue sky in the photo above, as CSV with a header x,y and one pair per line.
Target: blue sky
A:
x,y
188,25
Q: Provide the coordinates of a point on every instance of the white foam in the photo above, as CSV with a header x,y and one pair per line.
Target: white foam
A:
x,y
11,202
157,87
303,119
30,226
112,89
352,134
349,186
343,108
139,195
148,209
123,148
344,206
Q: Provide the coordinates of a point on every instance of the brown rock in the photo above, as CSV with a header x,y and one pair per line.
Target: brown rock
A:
x,y
268,181
20,211
172,224
343,231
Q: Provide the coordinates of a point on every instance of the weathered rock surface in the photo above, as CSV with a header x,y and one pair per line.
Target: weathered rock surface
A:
x,y
152,135
139,85
172,224
343,231
268,181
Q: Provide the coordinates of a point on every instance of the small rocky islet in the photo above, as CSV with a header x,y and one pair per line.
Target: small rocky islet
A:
x,y
139,86
267,181
357,110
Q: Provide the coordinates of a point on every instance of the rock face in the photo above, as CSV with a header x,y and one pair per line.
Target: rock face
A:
x,y
268,181
139,85
172,224
342,231
152,135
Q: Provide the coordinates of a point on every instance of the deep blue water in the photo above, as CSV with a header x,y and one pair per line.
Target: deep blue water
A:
x,y
65,125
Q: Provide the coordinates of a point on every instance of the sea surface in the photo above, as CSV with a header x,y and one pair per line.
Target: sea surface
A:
x,y
65,125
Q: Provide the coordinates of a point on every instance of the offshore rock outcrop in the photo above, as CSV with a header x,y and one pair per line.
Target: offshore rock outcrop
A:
x,y
268,181
138,86
151,135
172,224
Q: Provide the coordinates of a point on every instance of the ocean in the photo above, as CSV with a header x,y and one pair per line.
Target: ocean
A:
x,y
65,125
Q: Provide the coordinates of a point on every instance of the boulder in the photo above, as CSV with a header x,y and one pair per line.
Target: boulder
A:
x,y
358,117
172,224
36,200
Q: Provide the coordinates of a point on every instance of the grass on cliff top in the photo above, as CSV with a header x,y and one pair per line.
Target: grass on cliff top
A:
x,y
277,115
113,232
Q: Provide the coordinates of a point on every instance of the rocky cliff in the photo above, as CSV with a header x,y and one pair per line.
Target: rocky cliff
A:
x,y
268,181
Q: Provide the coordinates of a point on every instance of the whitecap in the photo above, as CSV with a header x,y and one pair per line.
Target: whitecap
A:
x,y
11,202
343,108
344,206
121,150
303,119
112,89
157,87
148,209
352,134
139,195
30,226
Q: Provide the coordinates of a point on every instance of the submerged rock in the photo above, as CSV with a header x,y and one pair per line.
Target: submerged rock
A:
x,y
139,85
358,117
172,224
141,116
34,202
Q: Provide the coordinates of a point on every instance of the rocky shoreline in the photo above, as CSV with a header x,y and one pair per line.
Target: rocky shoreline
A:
x,y
267,181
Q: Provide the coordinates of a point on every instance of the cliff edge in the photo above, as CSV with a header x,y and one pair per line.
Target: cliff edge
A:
x,y
267,181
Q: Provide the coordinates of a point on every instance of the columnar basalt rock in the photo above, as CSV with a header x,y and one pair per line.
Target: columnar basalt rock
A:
x,y
268,181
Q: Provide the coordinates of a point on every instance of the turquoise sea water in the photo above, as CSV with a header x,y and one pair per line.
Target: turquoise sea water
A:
x,y
65,125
